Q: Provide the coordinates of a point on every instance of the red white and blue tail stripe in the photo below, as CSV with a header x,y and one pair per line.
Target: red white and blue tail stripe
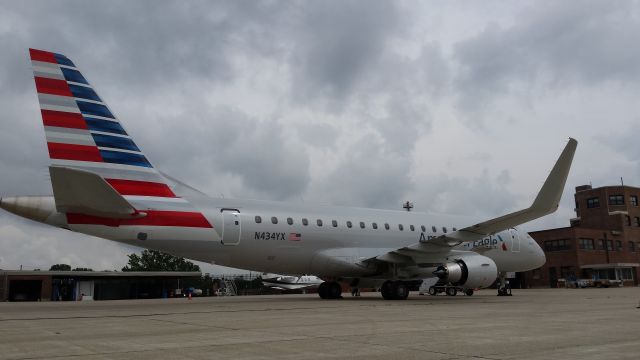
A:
x,y
83,133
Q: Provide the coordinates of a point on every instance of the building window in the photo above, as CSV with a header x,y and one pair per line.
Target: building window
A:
x,y
305,222
633,200
400,227
349,224
374,226
319,222
628,218
412,228
593,203
274,220
637,221
361,225
290,221
618,245
334,223
557,245
610,245
626,274
600,244
616,199
586,244
258,219
386,226
632,246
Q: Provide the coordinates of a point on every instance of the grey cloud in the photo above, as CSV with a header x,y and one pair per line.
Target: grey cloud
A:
x,y
228,141
484,195
318,135
369,176
554,43
336,45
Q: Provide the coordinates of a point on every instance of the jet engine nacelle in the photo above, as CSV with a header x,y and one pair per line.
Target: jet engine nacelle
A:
x,y
469,271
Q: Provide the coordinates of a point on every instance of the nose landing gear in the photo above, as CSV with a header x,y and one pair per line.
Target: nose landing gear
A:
x,y
503,285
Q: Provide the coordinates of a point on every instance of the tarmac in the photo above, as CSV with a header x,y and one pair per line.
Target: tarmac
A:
x,y
532,324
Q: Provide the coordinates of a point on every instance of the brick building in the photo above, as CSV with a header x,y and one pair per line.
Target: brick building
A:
x,y
602,241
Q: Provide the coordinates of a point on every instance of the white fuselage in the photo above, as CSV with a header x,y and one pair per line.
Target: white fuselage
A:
x,y
239,240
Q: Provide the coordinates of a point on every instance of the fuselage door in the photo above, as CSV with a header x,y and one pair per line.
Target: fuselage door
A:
x,y
515,240
230,226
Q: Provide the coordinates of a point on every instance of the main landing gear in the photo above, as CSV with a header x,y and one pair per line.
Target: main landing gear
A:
x,y
503,285
330,290
394,290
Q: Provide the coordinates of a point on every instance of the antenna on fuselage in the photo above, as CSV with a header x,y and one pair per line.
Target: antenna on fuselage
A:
x,y
408,206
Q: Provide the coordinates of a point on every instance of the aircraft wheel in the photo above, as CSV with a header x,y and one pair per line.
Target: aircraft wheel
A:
x,y
323,290
451,291
468,292
334,290
432,291
387,290
400,290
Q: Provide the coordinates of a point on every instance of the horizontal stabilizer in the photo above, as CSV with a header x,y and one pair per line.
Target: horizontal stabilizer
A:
x,y
84,192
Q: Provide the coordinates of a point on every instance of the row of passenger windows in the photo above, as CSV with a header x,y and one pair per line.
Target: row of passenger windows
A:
x,y
334,223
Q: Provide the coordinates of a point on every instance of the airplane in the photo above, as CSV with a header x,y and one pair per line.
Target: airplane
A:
x,y
105,186
288,282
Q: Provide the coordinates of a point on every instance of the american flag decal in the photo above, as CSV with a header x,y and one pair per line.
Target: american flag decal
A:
x,y
295,237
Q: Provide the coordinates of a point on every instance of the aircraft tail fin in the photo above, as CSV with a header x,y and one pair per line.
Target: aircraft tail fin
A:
x,y
84,134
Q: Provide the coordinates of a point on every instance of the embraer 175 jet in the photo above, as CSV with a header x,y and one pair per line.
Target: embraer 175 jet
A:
x,y
103,185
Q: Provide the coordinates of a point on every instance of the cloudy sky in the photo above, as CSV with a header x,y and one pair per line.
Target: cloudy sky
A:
x,y
458,106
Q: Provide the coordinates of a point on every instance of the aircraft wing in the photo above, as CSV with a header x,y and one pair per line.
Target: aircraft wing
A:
x,y
545,203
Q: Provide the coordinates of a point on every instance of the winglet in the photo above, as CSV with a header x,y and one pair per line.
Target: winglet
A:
x,y
545,203
549,196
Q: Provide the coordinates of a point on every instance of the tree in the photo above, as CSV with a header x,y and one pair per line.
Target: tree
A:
x,y
152,260
60,267
82,269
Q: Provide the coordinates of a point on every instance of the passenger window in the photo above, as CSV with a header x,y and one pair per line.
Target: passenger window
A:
x,y
424,228
319,222
290,221
274,220
334,223
412,228
349,224
258,219
400,227
454,229
433,228
386,226
361,225
375,226
305,222
444,229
